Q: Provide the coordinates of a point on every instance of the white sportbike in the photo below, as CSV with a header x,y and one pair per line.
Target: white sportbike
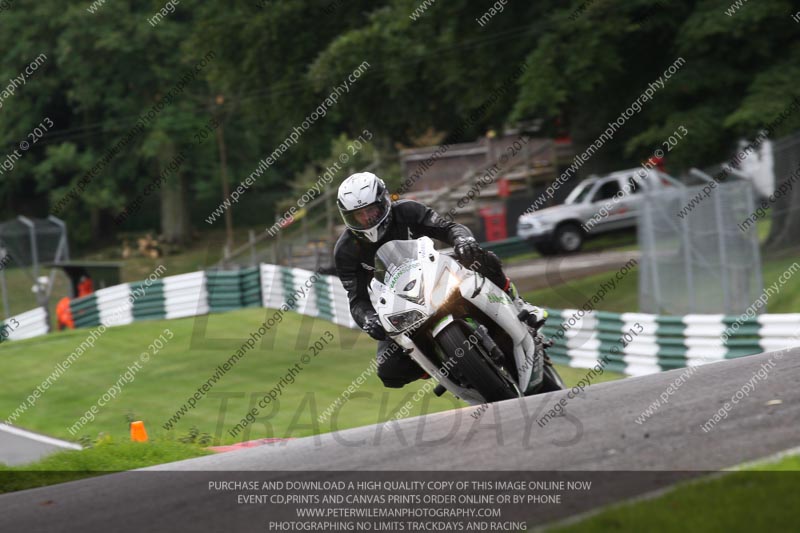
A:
x,y
457,325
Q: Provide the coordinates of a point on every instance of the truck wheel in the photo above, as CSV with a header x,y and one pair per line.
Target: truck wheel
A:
x,y
568,238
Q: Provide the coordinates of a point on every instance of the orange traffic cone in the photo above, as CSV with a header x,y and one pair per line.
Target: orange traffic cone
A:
x,y
138,433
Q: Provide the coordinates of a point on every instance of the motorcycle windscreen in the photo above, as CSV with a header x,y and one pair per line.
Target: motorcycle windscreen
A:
x,y
392,255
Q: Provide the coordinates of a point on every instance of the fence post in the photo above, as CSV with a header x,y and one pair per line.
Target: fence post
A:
x,y
251,237
723,255
226,254
751,207
649,255
687,261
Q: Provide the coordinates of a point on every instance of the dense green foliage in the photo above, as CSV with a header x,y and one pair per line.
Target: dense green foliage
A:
x,y
274,62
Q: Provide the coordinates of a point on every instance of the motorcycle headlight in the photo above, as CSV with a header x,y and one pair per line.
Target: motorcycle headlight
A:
x,y
405,320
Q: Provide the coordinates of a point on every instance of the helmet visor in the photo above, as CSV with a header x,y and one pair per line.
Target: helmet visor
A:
x,y
369,216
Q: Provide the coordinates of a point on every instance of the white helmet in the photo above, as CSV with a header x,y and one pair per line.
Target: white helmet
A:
x,y
364,204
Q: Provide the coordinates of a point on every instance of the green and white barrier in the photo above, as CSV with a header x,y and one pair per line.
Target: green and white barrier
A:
x,y
639,343
148,302
632,343
315,294
110,305
24,325
229,290
184,295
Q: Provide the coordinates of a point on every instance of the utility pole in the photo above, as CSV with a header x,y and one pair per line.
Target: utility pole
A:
x,y
223,163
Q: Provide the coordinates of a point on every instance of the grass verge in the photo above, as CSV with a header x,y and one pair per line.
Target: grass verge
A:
x,y
760,498
186,362
104,457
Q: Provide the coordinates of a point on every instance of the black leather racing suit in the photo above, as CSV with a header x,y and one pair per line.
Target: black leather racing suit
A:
x,y
354,259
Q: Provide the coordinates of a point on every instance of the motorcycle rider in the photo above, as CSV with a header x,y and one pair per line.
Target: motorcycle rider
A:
x,y
372,220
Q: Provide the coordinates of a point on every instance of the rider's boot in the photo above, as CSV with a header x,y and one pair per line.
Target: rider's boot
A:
x,y
528,313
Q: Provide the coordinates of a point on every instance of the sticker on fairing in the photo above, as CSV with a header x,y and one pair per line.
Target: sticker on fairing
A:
x,y
402,269
498,299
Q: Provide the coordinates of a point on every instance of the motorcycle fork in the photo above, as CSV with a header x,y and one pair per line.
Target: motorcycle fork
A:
x,y
496,356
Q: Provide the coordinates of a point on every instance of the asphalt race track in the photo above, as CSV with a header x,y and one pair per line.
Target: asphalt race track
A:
x,y
552,271
20,446
598,434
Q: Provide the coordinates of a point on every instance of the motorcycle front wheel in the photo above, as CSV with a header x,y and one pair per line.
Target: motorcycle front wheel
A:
x,y
469,362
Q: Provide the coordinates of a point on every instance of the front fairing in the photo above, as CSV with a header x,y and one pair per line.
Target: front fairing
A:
x,y
412,281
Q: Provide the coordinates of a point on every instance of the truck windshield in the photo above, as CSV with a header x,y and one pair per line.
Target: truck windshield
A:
x,y
579,193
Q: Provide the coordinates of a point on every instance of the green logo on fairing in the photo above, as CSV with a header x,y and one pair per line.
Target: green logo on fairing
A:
x,y
402,269
499,299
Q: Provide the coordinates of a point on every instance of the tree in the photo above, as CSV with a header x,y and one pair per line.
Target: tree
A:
x,y
582,65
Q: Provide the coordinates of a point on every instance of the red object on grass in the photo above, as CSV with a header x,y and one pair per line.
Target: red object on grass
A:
x,y
245,444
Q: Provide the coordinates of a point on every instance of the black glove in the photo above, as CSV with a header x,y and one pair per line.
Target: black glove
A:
x,y
374,328
468,251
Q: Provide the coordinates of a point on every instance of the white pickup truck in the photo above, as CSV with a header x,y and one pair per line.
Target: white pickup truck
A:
x,y
599,204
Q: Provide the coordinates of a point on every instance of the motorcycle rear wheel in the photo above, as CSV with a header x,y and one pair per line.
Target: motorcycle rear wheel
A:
x,y
551,381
